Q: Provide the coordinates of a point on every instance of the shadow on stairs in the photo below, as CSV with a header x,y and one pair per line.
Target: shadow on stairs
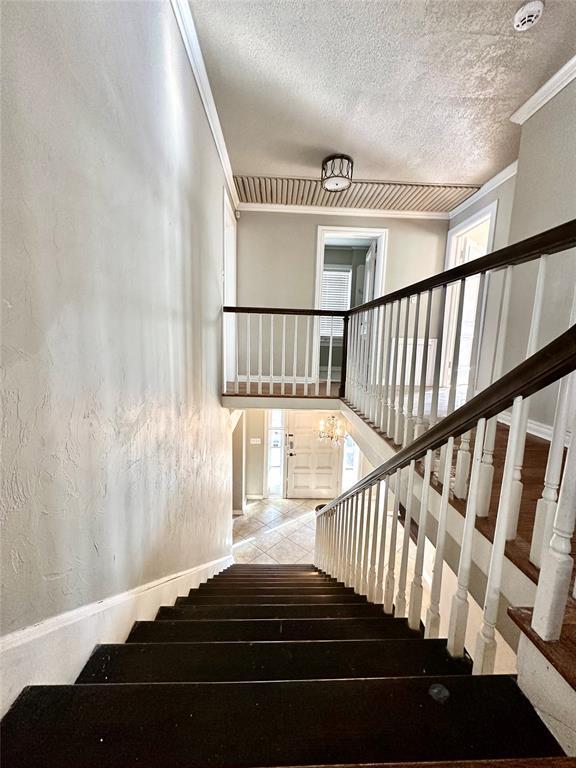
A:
x,y
276,666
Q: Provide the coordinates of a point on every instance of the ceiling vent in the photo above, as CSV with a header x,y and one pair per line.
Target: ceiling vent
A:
x,y
528,15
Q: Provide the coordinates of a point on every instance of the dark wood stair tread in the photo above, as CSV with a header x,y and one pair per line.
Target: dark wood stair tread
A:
x,y
205,597
292,660
357,628
260,589
273,724
183,610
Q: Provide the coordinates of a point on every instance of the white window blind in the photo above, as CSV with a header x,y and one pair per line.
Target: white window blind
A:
x,y
336,292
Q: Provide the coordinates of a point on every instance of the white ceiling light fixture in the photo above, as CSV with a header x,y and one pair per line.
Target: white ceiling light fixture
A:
x,y
528,15
337,172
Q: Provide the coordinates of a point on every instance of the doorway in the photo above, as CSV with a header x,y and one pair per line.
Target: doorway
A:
x,y
350,270
313,467
469,240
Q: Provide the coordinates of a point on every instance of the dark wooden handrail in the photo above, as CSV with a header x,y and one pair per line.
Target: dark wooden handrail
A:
x,y
548,365
284,311
551,241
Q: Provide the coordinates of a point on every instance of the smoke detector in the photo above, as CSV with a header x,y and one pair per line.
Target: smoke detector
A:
x,y
528,15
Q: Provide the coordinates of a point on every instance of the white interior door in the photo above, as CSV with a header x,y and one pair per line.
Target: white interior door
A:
x,y
313,468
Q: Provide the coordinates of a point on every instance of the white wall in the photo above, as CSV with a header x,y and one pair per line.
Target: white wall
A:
x,y
116,451
277,254
545,197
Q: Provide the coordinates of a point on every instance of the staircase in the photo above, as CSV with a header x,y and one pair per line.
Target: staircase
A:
x,y
276,666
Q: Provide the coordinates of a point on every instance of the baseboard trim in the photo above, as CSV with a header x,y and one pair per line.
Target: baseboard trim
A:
x,y
254,497
54,651
536,428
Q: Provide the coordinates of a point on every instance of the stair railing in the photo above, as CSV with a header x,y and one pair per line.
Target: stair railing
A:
x,y
356,538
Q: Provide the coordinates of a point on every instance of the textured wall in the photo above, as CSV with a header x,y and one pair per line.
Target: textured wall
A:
x,y
545,196
115,449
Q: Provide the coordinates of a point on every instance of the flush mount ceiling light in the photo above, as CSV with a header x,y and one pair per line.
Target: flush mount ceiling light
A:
x,y
337,172
528,15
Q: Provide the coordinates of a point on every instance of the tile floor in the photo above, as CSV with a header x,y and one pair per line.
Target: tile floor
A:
x,y
276,531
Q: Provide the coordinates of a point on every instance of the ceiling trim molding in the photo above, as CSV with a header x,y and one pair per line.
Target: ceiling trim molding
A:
x,y
192,46
320,209
557,82
495,181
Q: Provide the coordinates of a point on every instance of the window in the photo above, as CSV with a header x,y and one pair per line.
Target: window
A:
x,y
275,453
336,293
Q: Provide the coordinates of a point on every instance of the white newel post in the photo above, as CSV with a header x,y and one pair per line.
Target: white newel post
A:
x,y
415,608
389,582
432,628
459,607
400,602
557,563
485,654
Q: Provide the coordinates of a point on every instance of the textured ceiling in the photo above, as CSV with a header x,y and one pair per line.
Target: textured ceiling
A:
x,y
414,90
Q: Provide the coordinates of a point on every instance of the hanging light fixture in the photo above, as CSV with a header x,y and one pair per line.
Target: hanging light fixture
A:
x,y
331,431
337,172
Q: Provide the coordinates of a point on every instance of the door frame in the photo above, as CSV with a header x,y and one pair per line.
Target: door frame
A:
x,y
487,212
322,232
229,284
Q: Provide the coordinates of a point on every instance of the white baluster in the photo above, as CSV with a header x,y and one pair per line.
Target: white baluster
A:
x,y
392,392
409,420
329,372
517,484
399,426
358,542
389,309
463,454
295,357
373,546
485,653
380,366
415,608
379,593
557,562
459,607
248,382
259,354
487,465
433,613
420,425
236,352
352,549
438,357
271,382
390,576
366,552
546,506
306,364
400,602
283,374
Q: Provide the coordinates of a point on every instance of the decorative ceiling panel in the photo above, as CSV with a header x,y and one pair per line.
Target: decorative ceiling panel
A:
x,y
369,195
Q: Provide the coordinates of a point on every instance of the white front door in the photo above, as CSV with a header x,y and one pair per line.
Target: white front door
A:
x,y
313,468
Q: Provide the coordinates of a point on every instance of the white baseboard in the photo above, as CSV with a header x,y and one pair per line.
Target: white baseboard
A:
x,y
536,428
54,651
254,497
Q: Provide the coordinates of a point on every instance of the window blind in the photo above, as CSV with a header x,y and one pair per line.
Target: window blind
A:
x,y
336,292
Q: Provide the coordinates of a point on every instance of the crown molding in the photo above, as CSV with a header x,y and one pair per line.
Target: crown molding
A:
x,y
495,181
325,210
192,46
557,82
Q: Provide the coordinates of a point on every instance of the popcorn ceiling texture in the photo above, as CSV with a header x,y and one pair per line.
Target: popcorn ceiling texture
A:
x,y
416,91
115,448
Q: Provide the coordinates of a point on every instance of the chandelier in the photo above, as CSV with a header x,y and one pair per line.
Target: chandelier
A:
x,y
337,172
332,431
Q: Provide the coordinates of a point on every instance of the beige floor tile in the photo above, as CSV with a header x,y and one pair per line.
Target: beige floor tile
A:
x,y
304,537
287,552
264,558
246,553
265,541
267,514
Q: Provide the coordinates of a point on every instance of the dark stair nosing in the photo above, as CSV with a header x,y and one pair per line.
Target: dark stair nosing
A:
x,y
273,723
288,660
358,628
209,599
183,610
